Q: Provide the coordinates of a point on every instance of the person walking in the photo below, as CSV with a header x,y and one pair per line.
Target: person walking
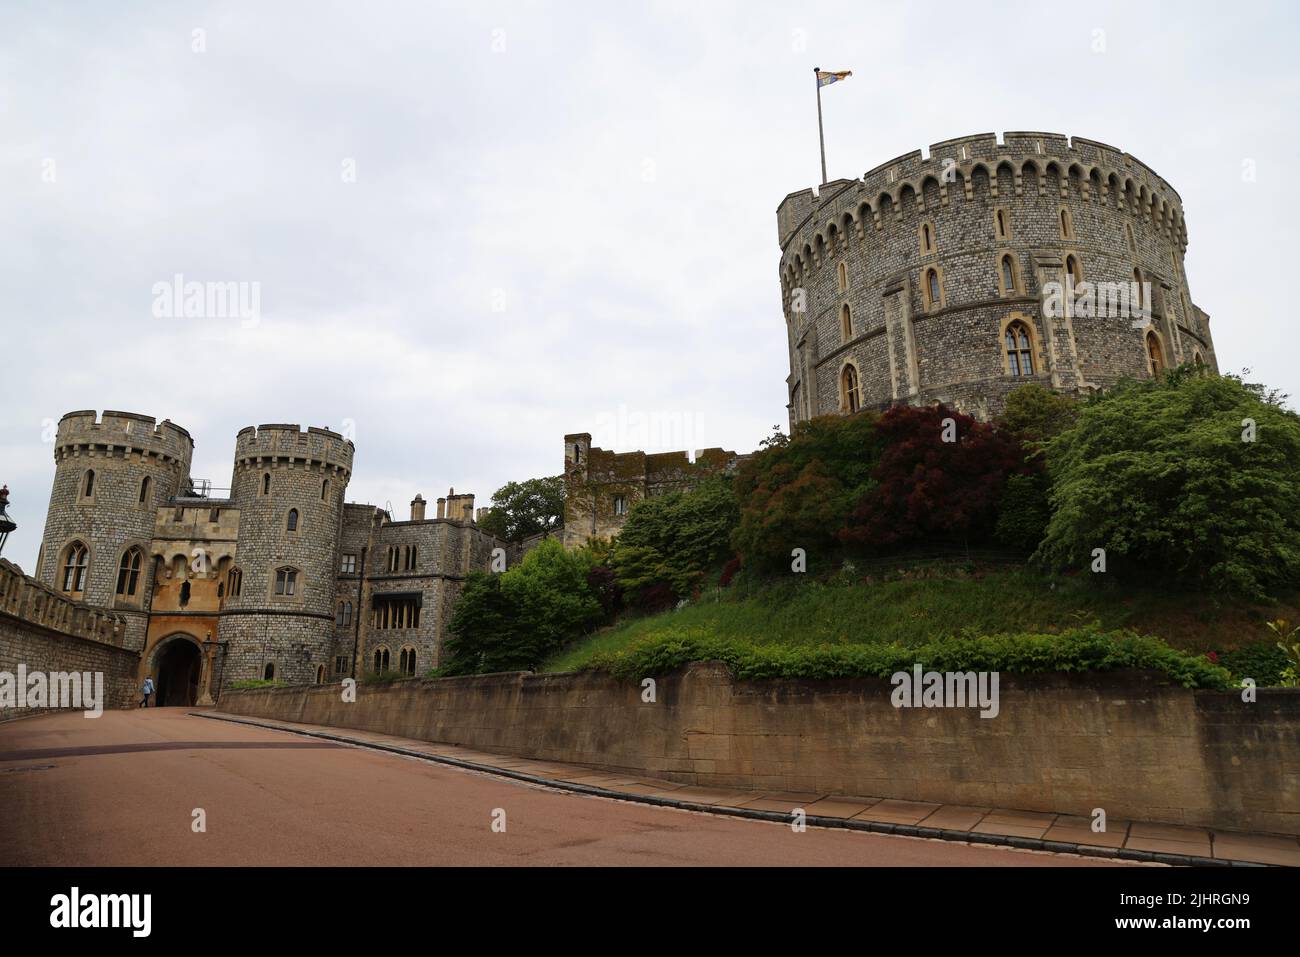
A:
x,y
148,690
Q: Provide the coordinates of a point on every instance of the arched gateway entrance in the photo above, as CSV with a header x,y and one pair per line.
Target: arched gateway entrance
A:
x,y
178,667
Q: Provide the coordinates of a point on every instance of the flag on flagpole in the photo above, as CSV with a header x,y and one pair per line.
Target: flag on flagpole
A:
x,y
827,77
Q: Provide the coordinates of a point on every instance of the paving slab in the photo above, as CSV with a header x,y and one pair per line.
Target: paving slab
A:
x,y
1258,849
897,812
955,817
833,807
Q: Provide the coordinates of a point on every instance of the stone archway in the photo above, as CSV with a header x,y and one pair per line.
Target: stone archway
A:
x,y
178,669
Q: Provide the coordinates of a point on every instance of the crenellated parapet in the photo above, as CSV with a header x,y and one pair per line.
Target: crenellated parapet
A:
x,y
602,485
1100,173
24,598
290,444
123,435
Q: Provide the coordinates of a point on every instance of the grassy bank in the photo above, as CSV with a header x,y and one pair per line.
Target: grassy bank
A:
x,y
922,607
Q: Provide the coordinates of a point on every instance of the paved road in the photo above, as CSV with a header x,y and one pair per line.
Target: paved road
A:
x,y
122,789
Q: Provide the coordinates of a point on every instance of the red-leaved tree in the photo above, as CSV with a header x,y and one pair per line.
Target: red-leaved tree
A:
x,y
940,477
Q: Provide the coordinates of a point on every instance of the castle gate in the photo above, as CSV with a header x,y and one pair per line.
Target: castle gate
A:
x,y
177,669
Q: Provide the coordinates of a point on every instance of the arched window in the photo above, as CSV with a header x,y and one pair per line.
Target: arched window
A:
x,y
620,505
144,490
347,613
1137,287
286,581
846,323
1008,275
235,582
324,488
185,594
1072,270
266,483
843,273
320,674
407,661
381,660
128,572
414,560
1128,233
1197,358
268,673
932,288
1020,358
293,520
1067,224
849,400
75,559
1155,355
88,486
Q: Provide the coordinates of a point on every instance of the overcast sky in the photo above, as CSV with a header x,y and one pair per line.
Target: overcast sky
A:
x,y
476,227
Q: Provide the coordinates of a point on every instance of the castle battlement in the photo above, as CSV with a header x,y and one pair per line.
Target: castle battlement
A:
x,y
122,433
1100,167
25,598
287,443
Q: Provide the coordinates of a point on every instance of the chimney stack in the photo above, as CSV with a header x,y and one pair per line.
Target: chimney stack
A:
x,y
417,508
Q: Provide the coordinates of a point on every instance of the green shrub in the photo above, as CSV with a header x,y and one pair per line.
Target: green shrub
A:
x,y
249,684
1023,511
382,677
1082,649
1261,660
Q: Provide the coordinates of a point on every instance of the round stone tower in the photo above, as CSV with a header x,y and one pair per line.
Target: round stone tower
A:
x,y
278,613
958,276
111,473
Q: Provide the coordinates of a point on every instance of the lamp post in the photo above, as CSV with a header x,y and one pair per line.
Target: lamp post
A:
x,y
7,524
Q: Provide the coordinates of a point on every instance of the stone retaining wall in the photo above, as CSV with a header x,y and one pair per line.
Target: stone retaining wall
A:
x,y
1127,742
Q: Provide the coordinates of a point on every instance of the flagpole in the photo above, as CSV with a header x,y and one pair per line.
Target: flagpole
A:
x,y
821,136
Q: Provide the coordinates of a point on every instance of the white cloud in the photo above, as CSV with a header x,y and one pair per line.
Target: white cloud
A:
x,y
614,173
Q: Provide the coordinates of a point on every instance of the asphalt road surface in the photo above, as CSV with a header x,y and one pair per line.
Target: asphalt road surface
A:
x,y
123,789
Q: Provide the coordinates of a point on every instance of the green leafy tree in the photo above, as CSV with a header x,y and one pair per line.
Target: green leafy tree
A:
x,y
516,619
520,509
796,492
1035,413
482,634
674,540
1194,478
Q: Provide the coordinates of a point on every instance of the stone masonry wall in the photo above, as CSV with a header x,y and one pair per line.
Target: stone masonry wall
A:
x,y
279,468
1127,742
906,349
596,478
44,631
